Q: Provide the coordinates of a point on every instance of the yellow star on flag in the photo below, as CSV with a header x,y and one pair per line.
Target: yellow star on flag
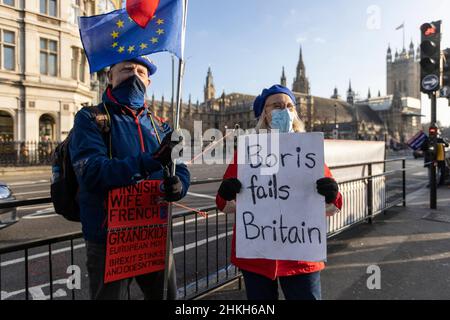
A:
x,y
160,31
160,21
119,24
115,34
115,44
154,40
143,46
121,49
130,49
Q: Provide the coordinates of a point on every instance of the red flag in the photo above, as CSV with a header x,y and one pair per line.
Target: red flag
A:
x,y
142,11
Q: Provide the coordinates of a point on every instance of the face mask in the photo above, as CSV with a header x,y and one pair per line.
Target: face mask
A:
x,y
282,120
130,92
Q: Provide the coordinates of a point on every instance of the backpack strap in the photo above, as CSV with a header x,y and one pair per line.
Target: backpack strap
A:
x,y
108,129
103,120
154,126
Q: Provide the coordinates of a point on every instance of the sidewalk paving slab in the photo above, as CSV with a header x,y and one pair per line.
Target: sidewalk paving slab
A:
x,y
411,246
24,171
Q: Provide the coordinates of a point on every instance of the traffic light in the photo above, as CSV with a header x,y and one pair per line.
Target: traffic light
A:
x,y
432,135
430,57
433,132
445,92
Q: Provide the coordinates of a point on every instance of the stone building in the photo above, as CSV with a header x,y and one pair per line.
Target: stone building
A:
x,y
319,114
403,72
401,109
44,75
44,81
396,115
401,116
301,82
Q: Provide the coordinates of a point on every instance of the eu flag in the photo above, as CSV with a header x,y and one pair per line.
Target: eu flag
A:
x,y
114,37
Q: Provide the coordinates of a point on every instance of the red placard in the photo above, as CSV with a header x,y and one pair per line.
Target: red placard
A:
x,y
137,205
137,231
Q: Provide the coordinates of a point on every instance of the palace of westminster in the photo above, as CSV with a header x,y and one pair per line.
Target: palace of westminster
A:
x,y
396,115
44,81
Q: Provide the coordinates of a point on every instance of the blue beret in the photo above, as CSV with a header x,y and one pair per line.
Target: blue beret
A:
x,y
145,61
260,101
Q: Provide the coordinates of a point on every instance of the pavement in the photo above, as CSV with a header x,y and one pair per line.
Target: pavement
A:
x,y
40,221
24,171
409,248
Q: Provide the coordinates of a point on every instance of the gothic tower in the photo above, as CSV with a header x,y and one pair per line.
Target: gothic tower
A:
x,y
301,82
283,81
210,90
335,94
403,73
350,94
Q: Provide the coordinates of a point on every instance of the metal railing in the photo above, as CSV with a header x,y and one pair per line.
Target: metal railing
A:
x,y
206,273
369,196
26,153
202,245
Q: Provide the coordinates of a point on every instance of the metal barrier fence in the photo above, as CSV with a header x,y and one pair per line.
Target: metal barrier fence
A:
x,y
201,244
21,153
369,196
32,153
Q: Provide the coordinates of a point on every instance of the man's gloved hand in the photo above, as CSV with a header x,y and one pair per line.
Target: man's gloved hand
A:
x,y
229,188
173,189
328,188
164,153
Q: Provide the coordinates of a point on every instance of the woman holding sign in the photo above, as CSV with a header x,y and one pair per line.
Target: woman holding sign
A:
x,y
299,280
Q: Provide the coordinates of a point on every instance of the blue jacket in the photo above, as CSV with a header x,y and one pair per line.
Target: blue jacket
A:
x,y
133,142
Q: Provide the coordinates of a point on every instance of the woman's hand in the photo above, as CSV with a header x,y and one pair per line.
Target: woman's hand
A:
x,y
230,207
328,188
229,189
331,210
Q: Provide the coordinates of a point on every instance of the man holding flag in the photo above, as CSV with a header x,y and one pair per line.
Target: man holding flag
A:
x,y
135,145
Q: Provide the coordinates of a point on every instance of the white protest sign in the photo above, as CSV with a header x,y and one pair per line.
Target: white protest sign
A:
x,y
279,214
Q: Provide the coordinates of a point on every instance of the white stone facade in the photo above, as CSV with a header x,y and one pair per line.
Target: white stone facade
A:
x,y
39,98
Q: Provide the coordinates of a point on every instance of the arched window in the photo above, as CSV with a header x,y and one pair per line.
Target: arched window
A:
x,y
6,126
47,128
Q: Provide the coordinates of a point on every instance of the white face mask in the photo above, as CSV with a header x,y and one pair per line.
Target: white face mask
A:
x,y
283,120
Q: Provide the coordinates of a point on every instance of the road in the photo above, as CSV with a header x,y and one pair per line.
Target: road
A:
x,y
37,222
41,221
195,238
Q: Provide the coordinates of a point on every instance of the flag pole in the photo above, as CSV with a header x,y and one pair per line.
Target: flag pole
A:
x,y
169,246
172,104
404,47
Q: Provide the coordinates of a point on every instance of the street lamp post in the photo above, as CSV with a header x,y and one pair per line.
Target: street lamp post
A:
x,y
336,126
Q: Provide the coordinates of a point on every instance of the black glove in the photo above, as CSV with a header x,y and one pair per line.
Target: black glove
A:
x,y
328,188
229,188
164,153
173,189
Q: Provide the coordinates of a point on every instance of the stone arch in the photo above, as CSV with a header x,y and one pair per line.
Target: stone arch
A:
x,y
47,127
7,127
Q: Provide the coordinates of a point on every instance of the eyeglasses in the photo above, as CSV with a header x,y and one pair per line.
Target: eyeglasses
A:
x,y
279,105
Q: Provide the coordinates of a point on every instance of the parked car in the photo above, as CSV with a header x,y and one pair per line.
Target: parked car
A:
x,y
7,216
